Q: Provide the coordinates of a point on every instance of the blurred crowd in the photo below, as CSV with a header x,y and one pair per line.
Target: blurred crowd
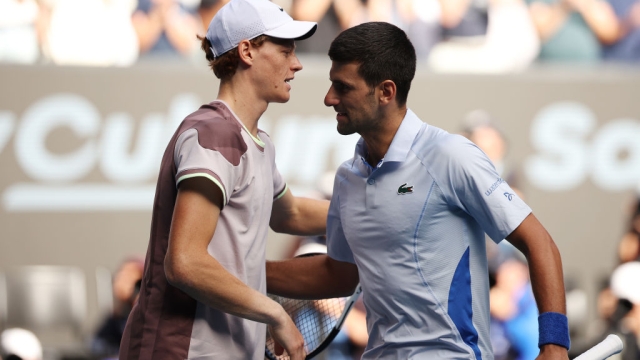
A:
x,y
618,302
486,36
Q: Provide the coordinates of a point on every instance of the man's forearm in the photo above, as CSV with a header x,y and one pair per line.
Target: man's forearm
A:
x,y
545,268
315,277
312,216
207,281
545,264
299,215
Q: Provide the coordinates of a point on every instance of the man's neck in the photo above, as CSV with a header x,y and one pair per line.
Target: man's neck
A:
x,y
245,104
379,140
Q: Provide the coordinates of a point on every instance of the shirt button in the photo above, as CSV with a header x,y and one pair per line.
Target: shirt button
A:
x,y
371,181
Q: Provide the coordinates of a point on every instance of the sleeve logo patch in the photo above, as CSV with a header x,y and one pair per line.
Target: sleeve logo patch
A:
x,y
508,195
494,186
404,189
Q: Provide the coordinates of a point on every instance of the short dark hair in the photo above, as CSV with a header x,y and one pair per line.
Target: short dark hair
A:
x,y
383,51
225,65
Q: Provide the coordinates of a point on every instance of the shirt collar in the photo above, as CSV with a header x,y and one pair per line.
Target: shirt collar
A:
x,y
255,139
402,140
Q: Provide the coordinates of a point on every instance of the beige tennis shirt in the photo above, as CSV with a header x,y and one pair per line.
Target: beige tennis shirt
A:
x,y
167,323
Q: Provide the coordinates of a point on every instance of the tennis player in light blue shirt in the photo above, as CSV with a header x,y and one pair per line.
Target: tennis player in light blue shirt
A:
x,y
414,225
409,215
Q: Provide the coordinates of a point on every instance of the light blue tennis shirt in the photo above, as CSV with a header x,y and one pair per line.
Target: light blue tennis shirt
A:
x,y
415,227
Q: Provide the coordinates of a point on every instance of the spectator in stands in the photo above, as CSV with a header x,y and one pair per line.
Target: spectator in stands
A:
x,y
623,45
463,21
571,30
91,33
332,17
618,302
629,246
514,316
166,28
126,286
464,18
18,35
625,285
20,344
420,19
510,43
430,22
207,10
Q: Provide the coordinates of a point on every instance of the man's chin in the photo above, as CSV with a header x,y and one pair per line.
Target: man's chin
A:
x,y
342,130
280,100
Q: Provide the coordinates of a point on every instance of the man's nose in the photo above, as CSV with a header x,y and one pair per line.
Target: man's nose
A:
x,y
297,65
330,99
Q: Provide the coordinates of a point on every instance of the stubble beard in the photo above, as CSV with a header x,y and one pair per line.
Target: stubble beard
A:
x,y
346,129
365,123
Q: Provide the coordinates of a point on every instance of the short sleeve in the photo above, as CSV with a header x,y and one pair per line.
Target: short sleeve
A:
x,y
337,246
193,160
279,186
472,183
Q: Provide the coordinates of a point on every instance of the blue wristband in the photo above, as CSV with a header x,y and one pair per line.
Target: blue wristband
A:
x,y
553,328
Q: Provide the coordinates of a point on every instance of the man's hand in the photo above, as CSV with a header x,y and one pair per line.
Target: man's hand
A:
x,y
285,334
551,351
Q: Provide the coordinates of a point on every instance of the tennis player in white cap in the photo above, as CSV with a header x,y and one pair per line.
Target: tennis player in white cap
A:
x,y
218,191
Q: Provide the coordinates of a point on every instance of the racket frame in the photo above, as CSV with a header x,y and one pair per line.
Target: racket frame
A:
x,y
334,331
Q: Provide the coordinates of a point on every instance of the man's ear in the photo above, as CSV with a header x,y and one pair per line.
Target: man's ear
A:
x,y
245,52
388,91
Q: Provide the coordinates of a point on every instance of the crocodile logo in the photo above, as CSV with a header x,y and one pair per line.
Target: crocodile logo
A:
x,y
404,189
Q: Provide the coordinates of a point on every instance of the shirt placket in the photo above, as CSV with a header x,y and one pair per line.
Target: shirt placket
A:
x,y
371,184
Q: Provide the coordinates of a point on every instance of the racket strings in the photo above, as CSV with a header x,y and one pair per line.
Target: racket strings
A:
x,y
314,319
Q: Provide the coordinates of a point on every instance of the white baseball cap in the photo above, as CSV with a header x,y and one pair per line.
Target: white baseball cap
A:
x,y
624,281
22,343
247,19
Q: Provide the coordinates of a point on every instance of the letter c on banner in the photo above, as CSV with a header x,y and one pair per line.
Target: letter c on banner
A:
x,y
70,110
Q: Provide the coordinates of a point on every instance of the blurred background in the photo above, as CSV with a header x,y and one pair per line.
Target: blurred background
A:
x,y
91,91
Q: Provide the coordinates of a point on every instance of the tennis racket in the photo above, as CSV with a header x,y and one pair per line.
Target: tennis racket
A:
x,y
319,321
607,347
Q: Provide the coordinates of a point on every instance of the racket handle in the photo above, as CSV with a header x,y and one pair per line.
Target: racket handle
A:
x,y
607,347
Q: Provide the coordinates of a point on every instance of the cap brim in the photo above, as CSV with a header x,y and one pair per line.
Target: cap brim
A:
x,y
296,30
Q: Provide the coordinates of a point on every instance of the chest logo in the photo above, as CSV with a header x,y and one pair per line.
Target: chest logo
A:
x,y
404,189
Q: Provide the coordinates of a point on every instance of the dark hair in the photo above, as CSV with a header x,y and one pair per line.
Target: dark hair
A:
x,y
383,51
206,4
225,65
